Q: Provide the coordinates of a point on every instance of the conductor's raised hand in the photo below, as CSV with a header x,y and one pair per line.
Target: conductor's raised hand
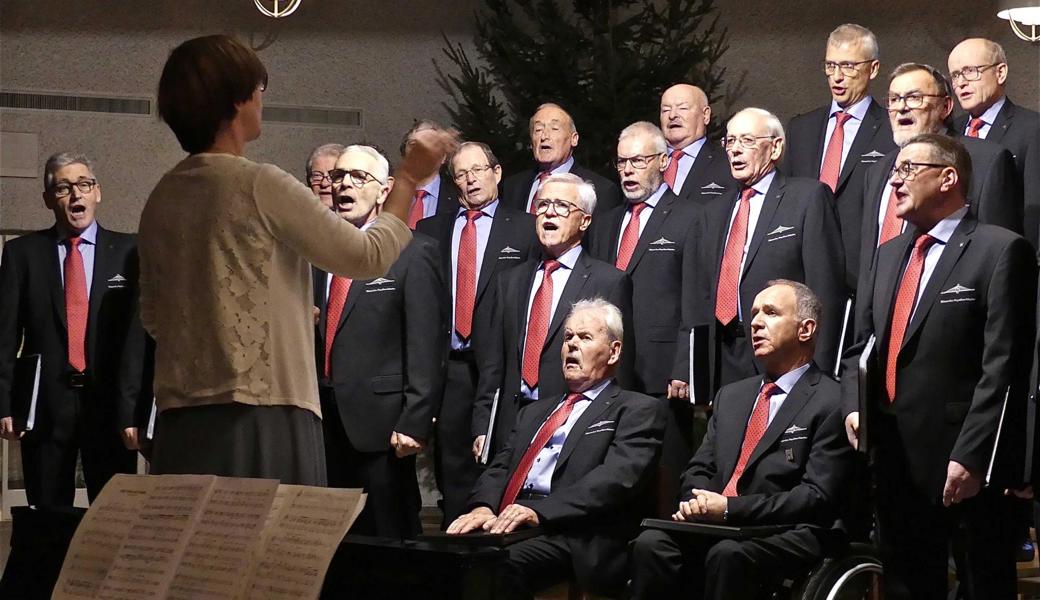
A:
x,y
425,152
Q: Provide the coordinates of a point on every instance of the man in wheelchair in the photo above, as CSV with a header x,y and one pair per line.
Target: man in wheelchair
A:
x,y
775,454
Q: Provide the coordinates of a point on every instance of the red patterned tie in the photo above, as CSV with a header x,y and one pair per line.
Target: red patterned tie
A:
x,y
630,237
533,208
338,290
76,307
538,324
974,126
832,157
756,428
415,214
892,226
903,308
466,276
672,171
728,293
554,422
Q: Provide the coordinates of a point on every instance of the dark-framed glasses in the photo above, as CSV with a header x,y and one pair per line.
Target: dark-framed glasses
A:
x,y
848,68
357,177
908,169
970,73
912,101
562,207
63,189
638,162
747,142
476,171
319,177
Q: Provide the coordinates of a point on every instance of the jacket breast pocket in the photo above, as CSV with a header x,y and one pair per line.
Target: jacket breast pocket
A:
x,y
387,384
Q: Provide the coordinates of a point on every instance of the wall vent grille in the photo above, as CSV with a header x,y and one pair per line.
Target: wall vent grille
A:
x,y
313,115
76,103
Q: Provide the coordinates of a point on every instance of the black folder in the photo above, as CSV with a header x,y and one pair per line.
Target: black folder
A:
x,y
25,392
481,538
717,531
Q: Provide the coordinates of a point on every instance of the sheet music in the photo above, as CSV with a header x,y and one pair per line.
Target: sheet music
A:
x,y
689,384
485,452
841,338
149,433
996,438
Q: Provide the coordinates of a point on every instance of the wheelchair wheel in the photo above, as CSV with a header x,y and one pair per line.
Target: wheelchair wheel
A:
x,y
855,575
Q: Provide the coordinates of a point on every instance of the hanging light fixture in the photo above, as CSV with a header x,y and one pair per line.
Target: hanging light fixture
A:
x,y
278,8
1024,16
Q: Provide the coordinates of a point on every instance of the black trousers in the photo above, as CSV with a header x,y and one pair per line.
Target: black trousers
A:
x,y
85,425
664,566
454,466
393,504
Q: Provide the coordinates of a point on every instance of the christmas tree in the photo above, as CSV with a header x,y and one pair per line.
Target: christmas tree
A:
x,y
605,61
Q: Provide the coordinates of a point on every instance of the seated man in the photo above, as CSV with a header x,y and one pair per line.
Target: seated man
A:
x,y
577,465
790,467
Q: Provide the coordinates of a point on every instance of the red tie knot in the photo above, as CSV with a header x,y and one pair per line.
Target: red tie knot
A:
x,y
769,389
747,194
573,399
637,208
842,116
922,243
420,194
676,154
473,215
75,241
543,175
975,126
550,266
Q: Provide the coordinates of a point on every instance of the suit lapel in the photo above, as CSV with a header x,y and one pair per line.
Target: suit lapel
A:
x,y
888,283
739,402
821,135
653,226
575,283
951,254
1001,123
319,279
522,296
874,198
867,131
495,242
610,253
765,218
103,251
607,397
54,277
792,405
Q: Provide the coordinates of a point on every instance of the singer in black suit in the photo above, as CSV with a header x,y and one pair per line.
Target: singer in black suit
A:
x,y
80,408
952,299
578,277
554,136
774,454
576,465
441,196
381,378
508,239
697,169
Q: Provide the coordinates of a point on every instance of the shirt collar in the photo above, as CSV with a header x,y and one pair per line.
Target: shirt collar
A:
x,y
787,381
991,113
568,258
693,149
593,392
563,168
943,230
762,185
857,110
434,187
488,210
656,196
89,235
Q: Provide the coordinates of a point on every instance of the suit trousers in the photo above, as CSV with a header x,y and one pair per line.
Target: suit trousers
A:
x,y
667,566
393,504
85,426
454,465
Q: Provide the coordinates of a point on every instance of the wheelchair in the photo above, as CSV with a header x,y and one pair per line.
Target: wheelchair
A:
x,y
853,574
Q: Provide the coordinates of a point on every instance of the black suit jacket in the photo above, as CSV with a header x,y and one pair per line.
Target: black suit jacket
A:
x,y
995,195
796,237
517,187
447,195
806,144
1018,129
709,176
798,470
32,312
501,366
597,496
388,356
656,270
967,343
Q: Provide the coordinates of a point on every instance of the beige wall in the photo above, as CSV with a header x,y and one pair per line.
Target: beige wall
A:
x,y
376,57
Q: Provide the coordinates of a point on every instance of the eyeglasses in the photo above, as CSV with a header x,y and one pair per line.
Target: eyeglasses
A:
x,y
318,177
848,68
747,142
907,170
972,73
911,101
562,207
476,171
357,177
638,162
85,186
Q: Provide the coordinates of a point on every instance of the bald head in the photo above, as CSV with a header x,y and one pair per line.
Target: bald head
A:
x,y
978,72
685,114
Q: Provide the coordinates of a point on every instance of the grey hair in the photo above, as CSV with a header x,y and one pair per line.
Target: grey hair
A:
x,y
807,304
333,150
850,33
384,164
940,80
530,122
61,160
773,125
586,191
610,314
660,145
995,50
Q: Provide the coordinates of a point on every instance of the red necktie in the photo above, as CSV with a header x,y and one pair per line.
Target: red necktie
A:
x,y
338,290
630,237
832,157
538,324
673,170
76,306
974,126
415,214
892,225
542,176
466,276
728,293
903,308
555,420
756,428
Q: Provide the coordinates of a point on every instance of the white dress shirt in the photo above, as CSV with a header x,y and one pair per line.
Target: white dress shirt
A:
x,y
786,383
987,117
857,111
433,190
686,160
644,217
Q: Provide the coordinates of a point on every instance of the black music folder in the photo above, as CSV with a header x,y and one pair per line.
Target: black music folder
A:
x,y
25,392
714,530
480,538
865,370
